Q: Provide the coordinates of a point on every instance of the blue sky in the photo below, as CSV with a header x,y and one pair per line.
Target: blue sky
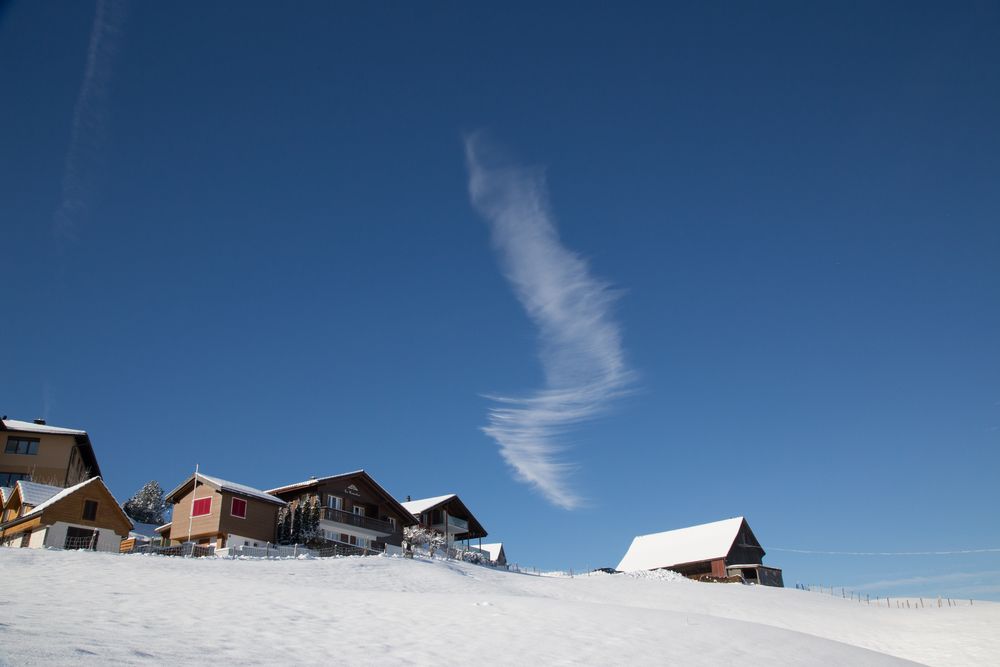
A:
x,y
245,237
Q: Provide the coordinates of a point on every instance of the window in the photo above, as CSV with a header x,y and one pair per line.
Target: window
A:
x,y
359,510
90,510
12,478
239,508
16,445
201,507
335,503
392,520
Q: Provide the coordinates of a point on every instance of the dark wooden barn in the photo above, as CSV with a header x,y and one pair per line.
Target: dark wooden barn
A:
x,y
719,549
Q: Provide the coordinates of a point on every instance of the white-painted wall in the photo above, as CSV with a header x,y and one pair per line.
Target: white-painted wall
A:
x,y
233,540
107,540
37,540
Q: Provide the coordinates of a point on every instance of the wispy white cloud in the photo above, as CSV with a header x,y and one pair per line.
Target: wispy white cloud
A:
x,y
88,129
580,342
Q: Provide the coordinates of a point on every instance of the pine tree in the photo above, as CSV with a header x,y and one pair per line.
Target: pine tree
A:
x,y
282,525
314,519
286,526
147,505
296,536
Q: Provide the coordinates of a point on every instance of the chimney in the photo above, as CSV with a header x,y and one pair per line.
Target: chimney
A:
x,y
407,499
40,422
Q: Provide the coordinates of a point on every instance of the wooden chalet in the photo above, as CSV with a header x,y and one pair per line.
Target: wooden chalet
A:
x,y
720,549
356,510
210,511
447,515
83,516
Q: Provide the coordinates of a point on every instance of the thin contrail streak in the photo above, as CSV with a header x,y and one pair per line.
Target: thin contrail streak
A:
x,y
88,128
887,553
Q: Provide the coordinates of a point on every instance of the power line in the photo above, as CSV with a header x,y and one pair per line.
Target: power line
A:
x,y
887,553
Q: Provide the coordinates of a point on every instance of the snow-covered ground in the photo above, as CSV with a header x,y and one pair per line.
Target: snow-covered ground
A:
x,y
82,607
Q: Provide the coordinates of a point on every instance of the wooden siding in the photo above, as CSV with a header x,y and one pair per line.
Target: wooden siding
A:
x,y
49,466
70,510
260,523
746,549
23,527
199,526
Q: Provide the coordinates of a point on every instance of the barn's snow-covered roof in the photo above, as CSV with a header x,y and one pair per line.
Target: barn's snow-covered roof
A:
x,y
707,541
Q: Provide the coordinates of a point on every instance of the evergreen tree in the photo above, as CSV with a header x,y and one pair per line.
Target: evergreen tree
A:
x,y
283,525
147,505
296,535
286,526
314,519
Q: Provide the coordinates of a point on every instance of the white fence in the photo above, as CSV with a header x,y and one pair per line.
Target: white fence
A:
x,y
267,551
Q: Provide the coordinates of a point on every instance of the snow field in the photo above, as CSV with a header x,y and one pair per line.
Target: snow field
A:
x,y
91,608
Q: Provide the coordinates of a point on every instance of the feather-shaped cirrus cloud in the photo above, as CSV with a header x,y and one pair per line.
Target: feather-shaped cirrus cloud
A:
x,y
580,344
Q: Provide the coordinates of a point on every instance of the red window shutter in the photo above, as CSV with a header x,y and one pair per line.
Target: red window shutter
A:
x,y
239,508
201,507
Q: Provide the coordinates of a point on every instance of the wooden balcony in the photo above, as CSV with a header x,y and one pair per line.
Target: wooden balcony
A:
x,y
358,521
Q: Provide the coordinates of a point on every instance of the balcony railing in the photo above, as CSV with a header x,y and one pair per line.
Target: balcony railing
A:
x,y
358,521
455,526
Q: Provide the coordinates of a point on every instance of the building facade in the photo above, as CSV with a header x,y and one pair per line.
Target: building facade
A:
x,y
448,516
210,511
83,516
51,455
356,510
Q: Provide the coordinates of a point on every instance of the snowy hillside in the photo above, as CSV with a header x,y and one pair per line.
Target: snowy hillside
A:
x,y
91,608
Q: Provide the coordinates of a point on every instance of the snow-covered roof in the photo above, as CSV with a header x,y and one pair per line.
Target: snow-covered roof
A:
x,y
5,492
34,494
314,480
31,427
405,516
231,487
707,541
422,505
492,549
62,493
